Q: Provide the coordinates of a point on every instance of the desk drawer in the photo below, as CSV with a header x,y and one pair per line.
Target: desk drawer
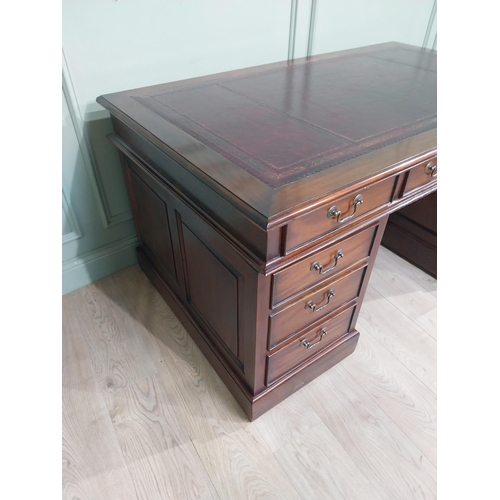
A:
x,y
322,265
338,213
306,346
421,174
314,306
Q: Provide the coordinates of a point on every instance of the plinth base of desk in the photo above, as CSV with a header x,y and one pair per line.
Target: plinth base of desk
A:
x,y
253,405
285,388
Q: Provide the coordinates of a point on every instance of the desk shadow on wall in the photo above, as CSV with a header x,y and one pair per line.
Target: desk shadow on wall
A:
x,y
108,172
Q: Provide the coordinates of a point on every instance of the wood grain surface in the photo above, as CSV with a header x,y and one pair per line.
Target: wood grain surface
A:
x,y
153,440
398,392
407,342
320,467
92,463
413,292
146,416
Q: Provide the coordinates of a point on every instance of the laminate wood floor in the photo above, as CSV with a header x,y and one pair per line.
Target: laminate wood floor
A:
x,y
146,417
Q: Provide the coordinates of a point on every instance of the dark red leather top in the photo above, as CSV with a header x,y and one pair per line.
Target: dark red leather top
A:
x,y
284,124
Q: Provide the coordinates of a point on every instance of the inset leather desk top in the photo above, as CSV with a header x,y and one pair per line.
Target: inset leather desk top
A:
x,y
282,123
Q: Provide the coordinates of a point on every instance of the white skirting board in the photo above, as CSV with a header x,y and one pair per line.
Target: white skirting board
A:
x,y
98,264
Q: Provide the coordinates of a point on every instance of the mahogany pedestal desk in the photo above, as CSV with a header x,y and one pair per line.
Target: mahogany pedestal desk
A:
x,y
260,198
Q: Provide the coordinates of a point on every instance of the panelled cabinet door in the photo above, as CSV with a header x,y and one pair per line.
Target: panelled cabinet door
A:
x,y
152,211
220,287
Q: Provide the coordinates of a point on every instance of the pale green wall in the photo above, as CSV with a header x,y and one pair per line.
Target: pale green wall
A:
x,y
111,45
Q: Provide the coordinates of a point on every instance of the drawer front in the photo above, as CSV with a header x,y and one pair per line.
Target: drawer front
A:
x,y
314,306
340,212
322,265
307,346
421,174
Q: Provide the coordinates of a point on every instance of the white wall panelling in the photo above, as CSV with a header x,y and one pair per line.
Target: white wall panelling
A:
x,y
345,24
430,37
69,95
300,16
88,246
293,28
312,20
111,45
89,158
70,228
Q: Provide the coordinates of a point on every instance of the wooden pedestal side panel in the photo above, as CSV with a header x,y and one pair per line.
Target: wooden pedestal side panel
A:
x,y
212,291
221,291
153,225
235,385
214,283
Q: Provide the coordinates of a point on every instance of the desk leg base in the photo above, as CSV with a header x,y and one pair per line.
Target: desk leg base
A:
x,y
279,392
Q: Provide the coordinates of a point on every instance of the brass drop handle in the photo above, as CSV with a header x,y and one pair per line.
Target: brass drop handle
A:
x,y
311,305
316,266
308,345
334,212
431,169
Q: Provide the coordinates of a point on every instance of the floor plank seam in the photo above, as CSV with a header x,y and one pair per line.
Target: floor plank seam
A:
x,y
375,401
346,451
403,312
397,359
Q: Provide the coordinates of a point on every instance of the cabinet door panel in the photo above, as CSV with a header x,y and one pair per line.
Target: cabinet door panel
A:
x,y
212,290
220,288
153,226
